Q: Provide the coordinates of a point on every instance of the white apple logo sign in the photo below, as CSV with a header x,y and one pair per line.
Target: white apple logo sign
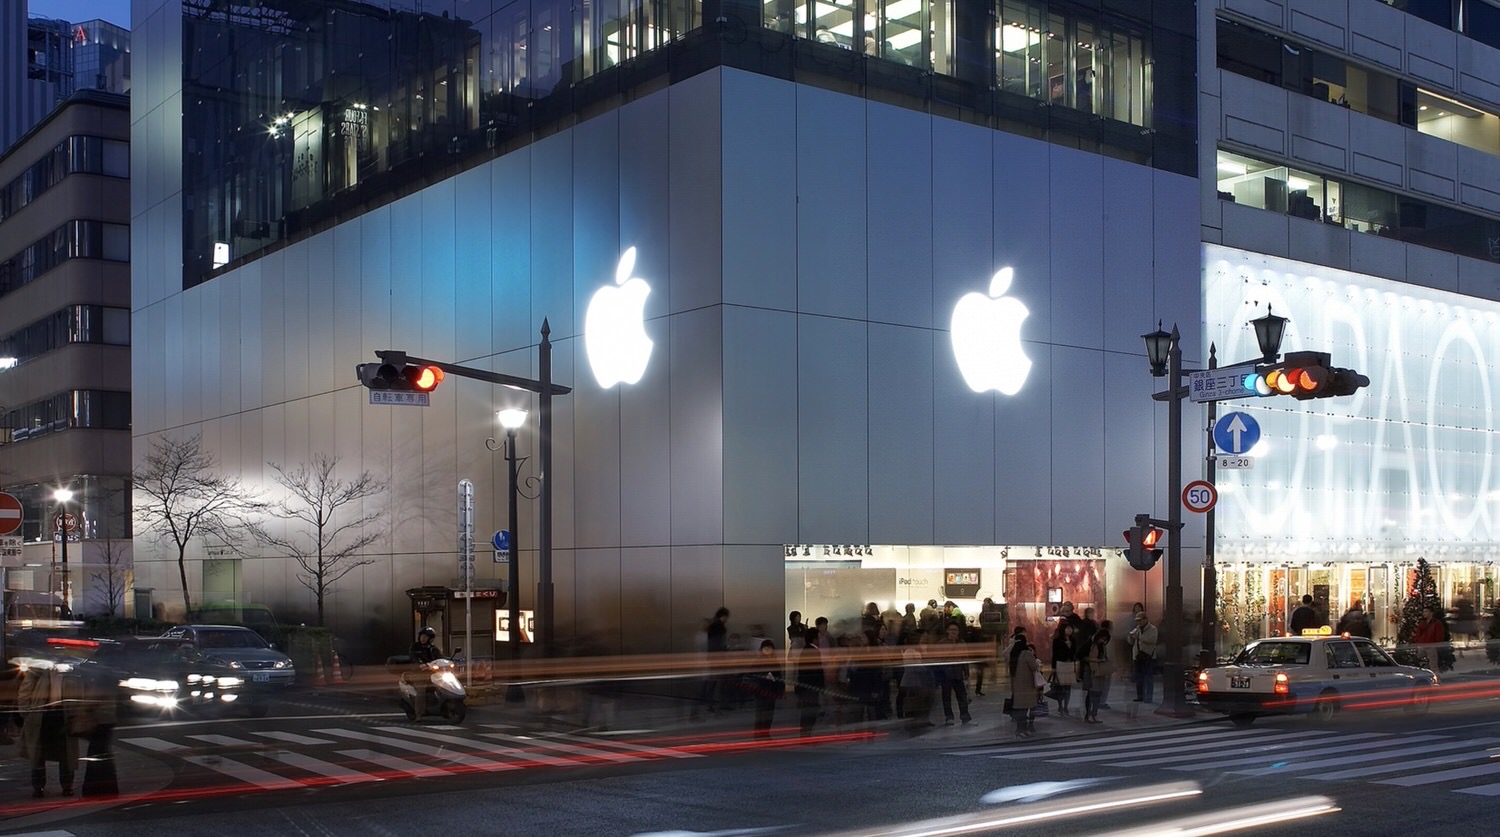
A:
x,y
986,334
614,328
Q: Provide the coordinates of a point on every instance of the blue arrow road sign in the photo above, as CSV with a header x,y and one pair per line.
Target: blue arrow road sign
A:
x,y
1236,433
502,540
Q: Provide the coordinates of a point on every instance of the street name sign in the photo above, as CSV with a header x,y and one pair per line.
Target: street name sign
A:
x,y
1219,384
399,398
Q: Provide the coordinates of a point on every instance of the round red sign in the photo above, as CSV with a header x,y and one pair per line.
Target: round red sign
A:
x,y
1199,496
10,514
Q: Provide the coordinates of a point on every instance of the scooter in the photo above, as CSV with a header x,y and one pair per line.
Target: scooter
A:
x,y
438,686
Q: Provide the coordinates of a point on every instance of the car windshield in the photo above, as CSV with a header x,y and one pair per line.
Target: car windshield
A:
x,y
230,639
1274,654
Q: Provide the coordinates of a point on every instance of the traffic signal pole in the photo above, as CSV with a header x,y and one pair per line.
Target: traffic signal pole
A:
x,y
545,390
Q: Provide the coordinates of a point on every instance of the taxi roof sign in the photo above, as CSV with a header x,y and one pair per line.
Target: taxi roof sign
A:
x,y
1321,631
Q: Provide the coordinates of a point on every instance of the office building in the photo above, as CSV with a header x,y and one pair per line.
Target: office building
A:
x,y
815,201
65,351
1349,162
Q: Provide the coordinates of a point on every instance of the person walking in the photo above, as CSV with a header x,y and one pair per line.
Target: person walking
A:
x,y
1144,641
1305,616
908,633
48,701
1023,667
717,632
1108,627
810,682
767,689
1354,622
1095,671
952,677
914,700
1065,654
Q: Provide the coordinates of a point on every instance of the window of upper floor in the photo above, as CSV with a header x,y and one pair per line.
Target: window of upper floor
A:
x,y
75,155
1355,206
1247,51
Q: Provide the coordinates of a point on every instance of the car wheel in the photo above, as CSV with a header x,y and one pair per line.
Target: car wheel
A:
x,y
1326,706
1243,720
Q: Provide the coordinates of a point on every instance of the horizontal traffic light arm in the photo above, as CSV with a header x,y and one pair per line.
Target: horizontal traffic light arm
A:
x,y
399,358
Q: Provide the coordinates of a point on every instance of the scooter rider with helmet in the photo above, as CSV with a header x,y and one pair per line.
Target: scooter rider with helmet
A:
x,y
424,651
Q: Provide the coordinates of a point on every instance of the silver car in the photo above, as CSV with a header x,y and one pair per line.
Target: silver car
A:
x,y
238,648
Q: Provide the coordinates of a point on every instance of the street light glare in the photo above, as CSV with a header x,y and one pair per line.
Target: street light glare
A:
x,y
62,495
511,419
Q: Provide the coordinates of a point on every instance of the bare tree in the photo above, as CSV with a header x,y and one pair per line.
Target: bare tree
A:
x,y
332,539
180,493
112,557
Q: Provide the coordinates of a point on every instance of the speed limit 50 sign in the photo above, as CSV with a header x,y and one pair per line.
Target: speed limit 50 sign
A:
x,y
1199,496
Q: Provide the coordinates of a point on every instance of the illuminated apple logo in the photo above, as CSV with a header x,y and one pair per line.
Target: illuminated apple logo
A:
x,y
987,338
614,328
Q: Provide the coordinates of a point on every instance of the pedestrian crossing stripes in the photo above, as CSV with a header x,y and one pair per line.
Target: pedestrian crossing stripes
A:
x,y
281,760
1323,755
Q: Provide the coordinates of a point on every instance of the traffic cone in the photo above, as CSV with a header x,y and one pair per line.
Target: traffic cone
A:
x,y
318,674
338,669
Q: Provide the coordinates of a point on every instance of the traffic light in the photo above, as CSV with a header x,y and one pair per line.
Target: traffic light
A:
x,y
1143,552
1304,375
408,377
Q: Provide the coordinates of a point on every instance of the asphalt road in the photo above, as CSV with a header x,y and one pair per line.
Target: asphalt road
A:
x,y
330,764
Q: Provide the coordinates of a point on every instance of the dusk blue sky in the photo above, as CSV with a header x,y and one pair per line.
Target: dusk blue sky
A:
x,y
75,11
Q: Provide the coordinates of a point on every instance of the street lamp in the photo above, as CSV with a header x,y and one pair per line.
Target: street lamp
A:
x,y
512,420
1164,352
62,496
1268,332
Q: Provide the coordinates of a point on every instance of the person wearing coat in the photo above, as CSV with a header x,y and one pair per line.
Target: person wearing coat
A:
x,y
1095,672
48,701
1023,691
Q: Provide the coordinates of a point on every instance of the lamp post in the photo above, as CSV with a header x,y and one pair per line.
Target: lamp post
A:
x,y
1164,351
63,496
512,420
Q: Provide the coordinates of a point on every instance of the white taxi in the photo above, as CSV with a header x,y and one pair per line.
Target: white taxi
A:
x,y
1320,674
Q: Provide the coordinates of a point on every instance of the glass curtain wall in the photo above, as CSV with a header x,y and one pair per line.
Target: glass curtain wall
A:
x,y
1072,62
296,113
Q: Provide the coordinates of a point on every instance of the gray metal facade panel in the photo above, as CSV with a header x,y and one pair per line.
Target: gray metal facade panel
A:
x,y
831,172
696,448
695,193
1131,259
898,211
472,259
964,250
1078,264
760,192
833,400
1079,415
513,321
903,423
1023,230
760,425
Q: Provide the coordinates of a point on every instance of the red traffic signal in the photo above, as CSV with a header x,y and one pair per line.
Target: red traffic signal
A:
x,y
1304,375
424,378
1143,552
405,378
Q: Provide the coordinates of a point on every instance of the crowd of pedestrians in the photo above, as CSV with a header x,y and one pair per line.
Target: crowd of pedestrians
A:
x,y
906,665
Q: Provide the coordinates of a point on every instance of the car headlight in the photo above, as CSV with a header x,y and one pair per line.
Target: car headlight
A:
x,y
282,664
230,682
146,684
229,663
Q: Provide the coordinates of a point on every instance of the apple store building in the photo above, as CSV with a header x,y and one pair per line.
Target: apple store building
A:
x,y
840,325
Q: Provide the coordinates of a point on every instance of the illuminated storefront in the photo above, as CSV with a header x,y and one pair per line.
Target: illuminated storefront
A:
x,y
1347,493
